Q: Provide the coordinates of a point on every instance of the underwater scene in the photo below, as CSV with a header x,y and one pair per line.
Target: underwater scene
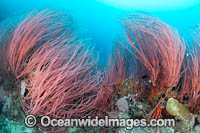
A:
x,y
99,66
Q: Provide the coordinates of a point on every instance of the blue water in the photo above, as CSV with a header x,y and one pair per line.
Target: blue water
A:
x,y
99,20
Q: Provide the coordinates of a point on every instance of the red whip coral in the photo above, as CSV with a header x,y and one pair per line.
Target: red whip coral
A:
x,y
65,81
6,29
121,63
190,89
158,48
59,74
33,31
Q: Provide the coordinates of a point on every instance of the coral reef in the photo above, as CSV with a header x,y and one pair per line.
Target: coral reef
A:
x,y
164,81
56,74
47,70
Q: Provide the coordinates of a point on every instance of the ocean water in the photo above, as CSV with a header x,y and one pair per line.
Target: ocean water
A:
x,y
99,20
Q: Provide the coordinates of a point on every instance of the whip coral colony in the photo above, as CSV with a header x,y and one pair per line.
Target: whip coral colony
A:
x,y
35,30
190,92
152,72
59,74
158,48
159,71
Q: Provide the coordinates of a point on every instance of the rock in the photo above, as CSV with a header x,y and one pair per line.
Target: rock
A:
x,y
122,104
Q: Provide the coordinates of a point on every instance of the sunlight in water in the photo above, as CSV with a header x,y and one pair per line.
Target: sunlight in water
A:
x,y
151,4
